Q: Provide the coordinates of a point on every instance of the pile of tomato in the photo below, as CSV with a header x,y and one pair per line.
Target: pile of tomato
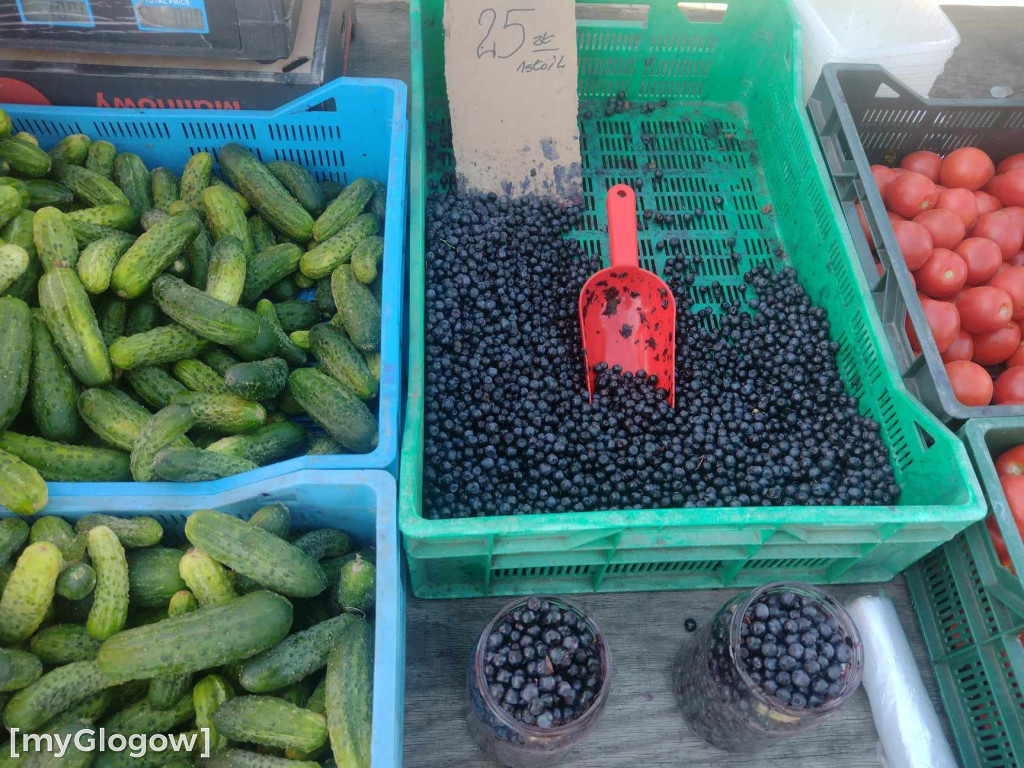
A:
x,y
1010,468
959,221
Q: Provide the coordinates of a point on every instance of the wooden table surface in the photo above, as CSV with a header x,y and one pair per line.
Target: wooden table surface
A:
x,y
641,726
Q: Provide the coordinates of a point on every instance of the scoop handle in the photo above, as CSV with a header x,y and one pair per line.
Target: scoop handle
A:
x,y
622,237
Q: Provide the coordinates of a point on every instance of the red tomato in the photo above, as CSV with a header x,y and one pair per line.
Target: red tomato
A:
x,y
1008,187
927,163
971,383
1012,163
1010,385
1016,213
883,175
864,226
987,203
1011,461
984,309
962,348
1013,487
983,259
962,202
996,347
910,194
967,167
946,227
1012,281
942,275
915,243
943,322
1002,229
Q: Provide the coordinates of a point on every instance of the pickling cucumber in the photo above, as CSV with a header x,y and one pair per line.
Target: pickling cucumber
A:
x,y
77,581
92,187
324,542
365,258
274,518
14,260
154,385
343,209
349,696
163,344
110,600
340,358
53,391
196,465
294,658
132,532
164,187
18,669
53,693
15,357
260,380
133,178
74,327
64,644
267,195
203,313
206,578
226,278
225,218
271,722
335,407
97,260
166,426
268,267
301,184
195,178
286,348
207,696
357,586
324,258
198,377
100,158
29,592
359,313
152,253
153,577
63,463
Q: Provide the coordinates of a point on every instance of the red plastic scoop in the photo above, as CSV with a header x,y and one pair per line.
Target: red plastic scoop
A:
x,y
627,314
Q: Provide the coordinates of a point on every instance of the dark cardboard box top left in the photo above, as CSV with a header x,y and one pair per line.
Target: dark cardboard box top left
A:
x,y
156,82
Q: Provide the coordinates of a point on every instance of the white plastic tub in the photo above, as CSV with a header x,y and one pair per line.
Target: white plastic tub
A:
x,y
913,39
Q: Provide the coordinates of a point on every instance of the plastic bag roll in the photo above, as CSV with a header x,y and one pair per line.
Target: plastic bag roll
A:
x,y
907,725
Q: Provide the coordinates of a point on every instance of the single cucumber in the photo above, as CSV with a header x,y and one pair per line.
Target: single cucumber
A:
x,y
286,348
164,189
91,187
302,186
14,532
203,314
297,315
86,232
100,158
271,722
261,380
335,407
358,311
294,658
268,267
54,239
182,602
164,344
200,250
53,391
226,277
71,150
357,586
324,542
195,178
77,581
267,445
258,554
112,416
327,256
143,717
209,637
166,690
133,178
196,465
63,463
55,692
343,209
132,532
339,358
267,195
97,261
274,518
225,218
240,199
207,696
74,327
110,602
18,669
23,157
349,696
166,426
154,385
44,192
15,357
324,298
144,316
55,530
223,413
263,346
29,592
206,578
64,644
153,577
198,377
365,258
112,316
261,233
152,253
219,359
112,215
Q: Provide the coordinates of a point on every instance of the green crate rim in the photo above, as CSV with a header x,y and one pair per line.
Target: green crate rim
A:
x,y
414,526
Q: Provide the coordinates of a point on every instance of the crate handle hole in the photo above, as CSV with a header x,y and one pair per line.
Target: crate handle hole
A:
x,y
885,91
703,13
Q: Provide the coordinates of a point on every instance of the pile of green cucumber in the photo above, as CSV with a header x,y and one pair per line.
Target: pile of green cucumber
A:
x,y
263,636
152,327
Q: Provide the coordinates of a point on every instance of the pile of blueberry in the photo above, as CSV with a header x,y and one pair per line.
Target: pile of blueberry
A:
x,y
542,664
793,649
762,416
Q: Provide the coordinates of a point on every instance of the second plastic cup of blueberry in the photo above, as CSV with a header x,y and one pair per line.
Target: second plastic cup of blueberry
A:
x,y
771,663
579,654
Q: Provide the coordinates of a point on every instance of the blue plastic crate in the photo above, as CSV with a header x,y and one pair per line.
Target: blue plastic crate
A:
x,y
360,502
349,128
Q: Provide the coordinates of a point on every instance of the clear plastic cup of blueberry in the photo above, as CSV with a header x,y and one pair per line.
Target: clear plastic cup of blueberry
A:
x,y
771,663
537,681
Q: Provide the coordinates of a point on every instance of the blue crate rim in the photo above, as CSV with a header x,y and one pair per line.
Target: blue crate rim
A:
x,y
385,455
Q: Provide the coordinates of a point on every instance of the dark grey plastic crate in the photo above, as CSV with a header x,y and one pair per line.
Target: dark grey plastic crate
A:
x,y
864,115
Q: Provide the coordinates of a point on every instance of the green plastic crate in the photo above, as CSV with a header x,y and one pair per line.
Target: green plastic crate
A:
x,y
733,126
971,610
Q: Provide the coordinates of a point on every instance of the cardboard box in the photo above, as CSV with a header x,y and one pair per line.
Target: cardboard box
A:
x,y
88,79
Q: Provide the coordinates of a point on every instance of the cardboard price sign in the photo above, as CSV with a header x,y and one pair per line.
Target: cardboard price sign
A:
x,y
511,72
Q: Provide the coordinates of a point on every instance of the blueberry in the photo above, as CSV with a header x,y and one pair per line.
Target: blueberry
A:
x,y
820,686
546,683
799,701
545,720
801,679
843,652
834,672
